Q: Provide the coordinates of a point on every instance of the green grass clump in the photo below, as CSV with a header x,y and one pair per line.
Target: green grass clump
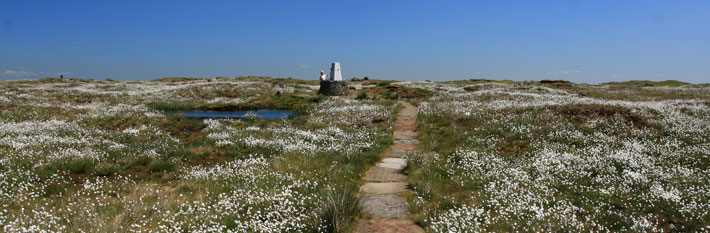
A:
x,y
361,96
138,161
107,169
383,84
74,165
161,165
56,189
340,208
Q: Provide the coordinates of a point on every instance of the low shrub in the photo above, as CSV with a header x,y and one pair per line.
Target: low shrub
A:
x,y
361,96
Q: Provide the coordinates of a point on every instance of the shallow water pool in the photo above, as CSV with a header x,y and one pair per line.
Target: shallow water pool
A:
x,y
261,113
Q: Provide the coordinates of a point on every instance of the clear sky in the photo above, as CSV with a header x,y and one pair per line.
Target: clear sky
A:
x,y
581,41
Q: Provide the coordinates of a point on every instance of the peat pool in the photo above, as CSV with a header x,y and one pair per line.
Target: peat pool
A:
x,y
262,113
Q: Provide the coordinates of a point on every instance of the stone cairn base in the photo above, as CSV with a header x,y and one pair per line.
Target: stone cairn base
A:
x,y
333,88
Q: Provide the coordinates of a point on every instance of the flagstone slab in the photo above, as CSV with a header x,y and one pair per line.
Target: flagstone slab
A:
x,y
405,127
406,147
408,134
388,226
405,122
397,153
406,141
394,163
407,116
384,205
382,174
384,188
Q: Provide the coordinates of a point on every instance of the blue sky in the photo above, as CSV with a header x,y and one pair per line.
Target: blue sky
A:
x,y
581,41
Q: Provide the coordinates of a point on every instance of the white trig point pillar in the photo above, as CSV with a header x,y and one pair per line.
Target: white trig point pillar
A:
x,y
335,72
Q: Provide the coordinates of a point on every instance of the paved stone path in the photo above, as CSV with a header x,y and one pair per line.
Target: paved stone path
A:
x,y
380,197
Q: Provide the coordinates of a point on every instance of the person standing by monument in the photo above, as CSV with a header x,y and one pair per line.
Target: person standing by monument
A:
x,y
323,76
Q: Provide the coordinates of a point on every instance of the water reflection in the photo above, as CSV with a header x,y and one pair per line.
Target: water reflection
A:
x,y
262,113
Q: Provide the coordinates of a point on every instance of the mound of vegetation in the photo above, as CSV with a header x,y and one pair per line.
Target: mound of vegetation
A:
x,y
388,91
646,83
547,81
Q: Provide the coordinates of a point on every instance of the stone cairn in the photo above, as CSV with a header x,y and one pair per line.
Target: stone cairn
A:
x,y
335,85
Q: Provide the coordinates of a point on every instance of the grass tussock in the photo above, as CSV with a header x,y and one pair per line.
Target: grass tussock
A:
x,y
340,208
